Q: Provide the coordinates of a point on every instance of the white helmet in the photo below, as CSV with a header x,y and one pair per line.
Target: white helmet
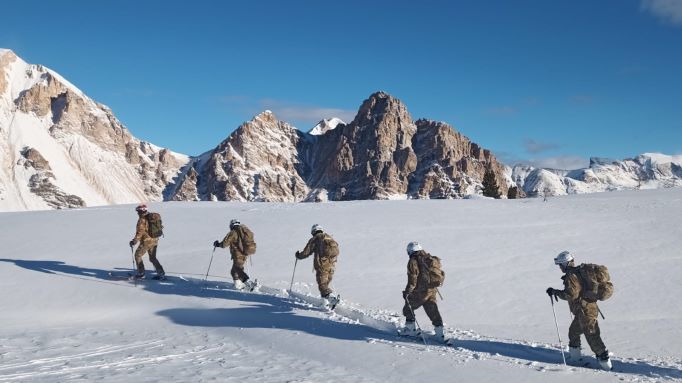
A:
x,y
234,222
316,228
412,247
564,258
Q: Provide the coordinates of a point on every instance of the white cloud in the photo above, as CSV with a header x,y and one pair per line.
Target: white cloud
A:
x,y
305,113
286,111
560,162
669,11
535,147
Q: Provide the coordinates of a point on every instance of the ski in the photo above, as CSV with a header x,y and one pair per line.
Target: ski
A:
x,y
431,339
337,299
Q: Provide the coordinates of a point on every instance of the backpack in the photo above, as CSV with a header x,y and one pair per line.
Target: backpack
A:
x,y
330,248
246,241
434,273
596,282
154,225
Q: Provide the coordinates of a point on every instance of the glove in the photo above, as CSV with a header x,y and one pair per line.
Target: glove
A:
x,y
298,255
552,293
132,243
405,295
217,244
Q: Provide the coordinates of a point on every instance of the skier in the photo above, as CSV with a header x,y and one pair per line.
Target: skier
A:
x,y
585,312
326,250
241,244
147,233
420,290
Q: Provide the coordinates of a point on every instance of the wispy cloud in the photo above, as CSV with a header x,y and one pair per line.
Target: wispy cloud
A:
x,y
292,112
668,11
559,162
534,147
501,111
312,114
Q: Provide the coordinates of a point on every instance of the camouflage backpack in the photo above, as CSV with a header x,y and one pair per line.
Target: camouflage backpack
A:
x,y
595,281
330,247
434,273
154,225
246,241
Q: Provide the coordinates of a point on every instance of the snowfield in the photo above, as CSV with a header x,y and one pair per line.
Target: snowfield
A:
x,y
64,319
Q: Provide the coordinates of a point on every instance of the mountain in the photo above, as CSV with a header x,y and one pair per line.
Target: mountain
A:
x,y
61,149
646,171
382,154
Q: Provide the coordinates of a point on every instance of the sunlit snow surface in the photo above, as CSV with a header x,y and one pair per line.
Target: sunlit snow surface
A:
x,y
64,319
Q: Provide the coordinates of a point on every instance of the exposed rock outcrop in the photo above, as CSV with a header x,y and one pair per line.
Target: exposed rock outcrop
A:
x,y
381,154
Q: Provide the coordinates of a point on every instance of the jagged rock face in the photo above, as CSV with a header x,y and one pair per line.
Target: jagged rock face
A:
x,y
94,159
449,164
258,162
41,181
381,154
370,158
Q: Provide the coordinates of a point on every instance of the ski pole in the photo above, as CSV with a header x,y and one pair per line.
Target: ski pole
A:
x,y
292,275
438,291
209,268
557,331
134,264
421,333
600,313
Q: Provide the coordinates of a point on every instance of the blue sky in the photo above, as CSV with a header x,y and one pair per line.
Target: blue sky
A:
x,y
549,82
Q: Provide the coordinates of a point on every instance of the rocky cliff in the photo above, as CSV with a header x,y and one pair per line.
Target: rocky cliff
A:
x,y
382,154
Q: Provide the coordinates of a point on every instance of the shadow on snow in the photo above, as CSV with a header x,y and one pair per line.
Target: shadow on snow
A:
x,y
268,311
259,311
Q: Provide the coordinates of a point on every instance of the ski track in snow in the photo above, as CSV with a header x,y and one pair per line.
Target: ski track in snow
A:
x,y
67,358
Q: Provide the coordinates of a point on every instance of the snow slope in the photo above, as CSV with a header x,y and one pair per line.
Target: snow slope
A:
x,y
90,157
64,319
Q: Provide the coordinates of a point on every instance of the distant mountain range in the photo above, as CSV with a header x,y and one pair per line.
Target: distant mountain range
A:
x,y
61,149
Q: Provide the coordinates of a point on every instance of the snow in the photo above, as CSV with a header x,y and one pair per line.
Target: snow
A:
x,y
325,125
63,319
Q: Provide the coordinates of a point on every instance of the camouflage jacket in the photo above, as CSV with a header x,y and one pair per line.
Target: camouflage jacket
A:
x,y
142,229
232,241
416,280
315,245
572,290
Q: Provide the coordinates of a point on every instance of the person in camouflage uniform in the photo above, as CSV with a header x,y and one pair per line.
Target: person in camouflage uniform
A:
x,y
585,312
147,244
418,294
326,251
233,241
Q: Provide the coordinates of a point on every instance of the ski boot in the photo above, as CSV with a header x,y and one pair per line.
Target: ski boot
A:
x,y
574,354
605,361
160,276
239,285
411,329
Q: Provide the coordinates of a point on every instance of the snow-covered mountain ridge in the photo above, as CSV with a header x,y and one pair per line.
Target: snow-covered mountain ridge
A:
x,y
61,149
646,171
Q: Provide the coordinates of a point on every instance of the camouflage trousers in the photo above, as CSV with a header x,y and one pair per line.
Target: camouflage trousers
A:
x,y
149,246
585,322
324,279
237,271
426,298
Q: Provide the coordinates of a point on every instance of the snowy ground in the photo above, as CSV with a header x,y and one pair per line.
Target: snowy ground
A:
x,y
63,319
